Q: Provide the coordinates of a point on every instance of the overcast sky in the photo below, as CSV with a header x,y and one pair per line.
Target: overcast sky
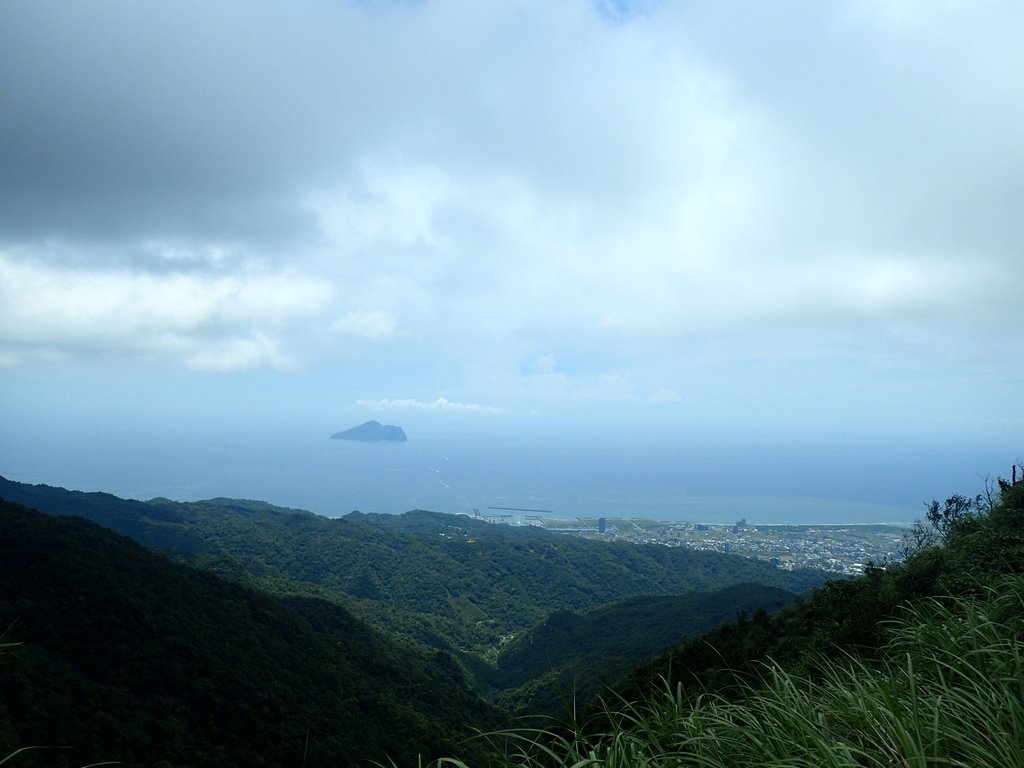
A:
x,y
799,213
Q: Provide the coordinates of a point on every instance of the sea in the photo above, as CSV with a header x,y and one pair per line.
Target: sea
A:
x,y
557,475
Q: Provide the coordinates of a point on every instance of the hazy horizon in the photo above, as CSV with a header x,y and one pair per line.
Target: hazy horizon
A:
x,y
642,474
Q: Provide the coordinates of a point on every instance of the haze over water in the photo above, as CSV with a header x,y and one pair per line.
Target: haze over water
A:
x,y
705,479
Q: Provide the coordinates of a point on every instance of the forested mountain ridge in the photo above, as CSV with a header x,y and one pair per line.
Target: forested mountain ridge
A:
x,y
964,547
914,663
124,655
576,656
449,581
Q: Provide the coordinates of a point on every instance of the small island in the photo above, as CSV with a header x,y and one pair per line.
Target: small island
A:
x,y
373,432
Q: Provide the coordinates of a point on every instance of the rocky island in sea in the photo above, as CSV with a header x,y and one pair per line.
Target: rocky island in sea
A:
x,y
373,432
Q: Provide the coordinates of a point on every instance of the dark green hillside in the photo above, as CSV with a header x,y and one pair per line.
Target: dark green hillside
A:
x,y
916,664
578,654
124,655
449,581
966,546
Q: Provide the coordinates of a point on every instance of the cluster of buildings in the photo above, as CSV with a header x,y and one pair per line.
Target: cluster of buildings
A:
x,y
846,549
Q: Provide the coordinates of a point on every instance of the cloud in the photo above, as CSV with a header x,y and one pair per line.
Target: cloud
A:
x,y
209,322
631,190
233,354
440,404
386,204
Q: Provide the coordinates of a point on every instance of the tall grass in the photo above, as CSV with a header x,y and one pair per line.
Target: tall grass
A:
x,y
948,691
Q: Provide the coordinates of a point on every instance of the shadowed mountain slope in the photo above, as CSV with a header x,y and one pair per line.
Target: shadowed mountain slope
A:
x,y
123,655
576,655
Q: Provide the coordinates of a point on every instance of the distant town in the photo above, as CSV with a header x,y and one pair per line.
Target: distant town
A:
x,y
846,549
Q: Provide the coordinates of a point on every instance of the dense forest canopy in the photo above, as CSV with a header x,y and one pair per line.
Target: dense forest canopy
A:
x,y
451,582
315,645
124,655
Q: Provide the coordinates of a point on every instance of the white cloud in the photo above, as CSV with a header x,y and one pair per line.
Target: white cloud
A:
x,y
48,310
391,205
232,354
440,404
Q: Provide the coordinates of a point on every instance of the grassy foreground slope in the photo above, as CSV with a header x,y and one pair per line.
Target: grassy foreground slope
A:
x,y
918,664
946,689
124,655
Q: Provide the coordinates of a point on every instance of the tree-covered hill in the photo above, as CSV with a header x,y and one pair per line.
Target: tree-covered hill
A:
x,y
919,663
449,581
916,663
575,656
965,545
123,655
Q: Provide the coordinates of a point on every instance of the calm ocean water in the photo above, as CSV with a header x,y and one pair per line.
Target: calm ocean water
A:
x,y
674,479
